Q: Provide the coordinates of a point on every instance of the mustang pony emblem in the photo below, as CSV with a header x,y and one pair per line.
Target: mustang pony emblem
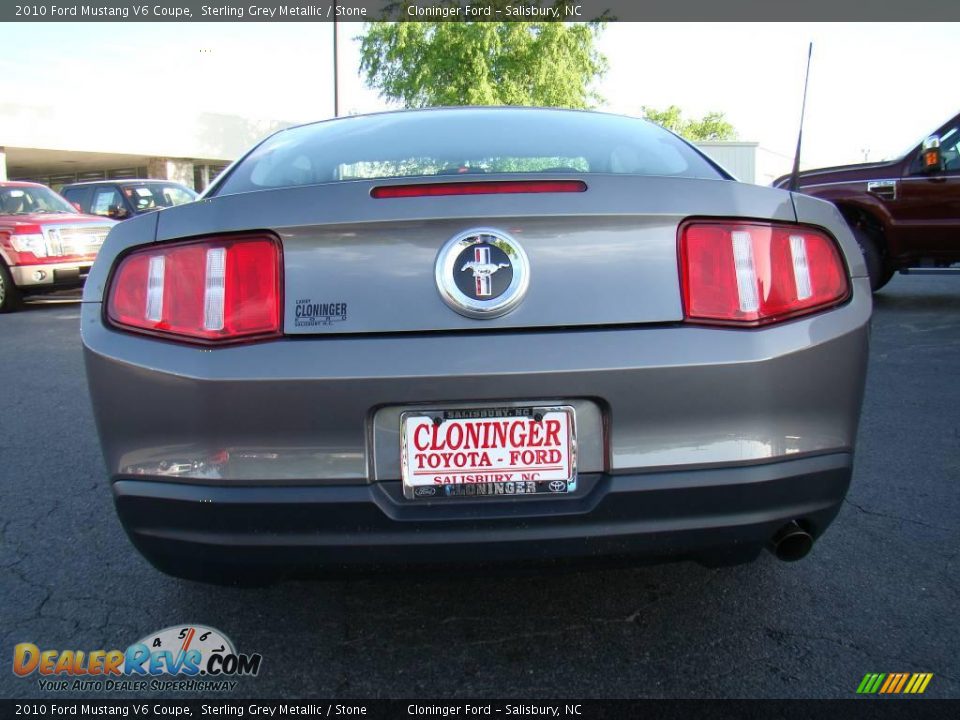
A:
x,y
499,273
482,270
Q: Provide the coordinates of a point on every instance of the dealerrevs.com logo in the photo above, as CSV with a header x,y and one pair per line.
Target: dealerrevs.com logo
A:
x,y
179,658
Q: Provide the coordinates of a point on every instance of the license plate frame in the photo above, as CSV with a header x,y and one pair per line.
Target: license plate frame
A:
x,y
535,478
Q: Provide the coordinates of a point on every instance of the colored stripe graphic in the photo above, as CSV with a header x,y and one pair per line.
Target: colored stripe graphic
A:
x,y
891,680
901,683
481,255
920,682
894,683
871,683
897,684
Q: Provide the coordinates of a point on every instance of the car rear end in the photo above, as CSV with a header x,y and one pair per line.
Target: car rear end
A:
x,y
282,384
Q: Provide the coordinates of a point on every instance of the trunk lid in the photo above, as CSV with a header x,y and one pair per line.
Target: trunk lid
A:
x,y
606,256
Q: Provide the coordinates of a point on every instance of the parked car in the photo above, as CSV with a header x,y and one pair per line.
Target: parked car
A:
x,y
122,199
45,244
904,212
460,336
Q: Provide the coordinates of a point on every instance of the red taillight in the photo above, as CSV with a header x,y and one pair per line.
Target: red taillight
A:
x,y
485,187
212,290
757,273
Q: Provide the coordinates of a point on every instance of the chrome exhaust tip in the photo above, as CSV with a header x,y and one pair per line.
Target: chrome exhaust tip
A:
x,y
791,542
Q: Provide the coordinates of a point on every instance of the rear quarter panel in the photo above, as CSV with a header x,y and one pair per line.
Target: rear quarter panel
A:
x,y
814,211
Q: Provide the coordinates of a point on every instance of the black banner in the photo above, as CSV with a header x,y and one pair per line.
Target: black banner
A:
x,y
571,709
478,10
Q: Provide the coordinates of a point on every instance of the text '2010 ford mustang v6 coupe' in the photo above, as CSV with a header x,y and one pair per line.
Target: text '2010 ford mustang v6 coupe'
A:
x,y
458,336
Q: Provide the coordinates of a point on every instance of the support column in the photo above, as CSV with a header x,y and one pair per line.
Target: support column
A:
x,y
3,164
180,171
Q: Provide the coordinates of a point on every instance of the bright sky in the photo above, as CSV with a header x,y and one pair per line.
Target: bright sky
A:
x,y
875,88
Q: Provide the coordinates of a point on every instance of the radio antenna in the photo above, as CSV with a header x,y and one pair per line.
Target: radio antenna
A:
x,y
795,175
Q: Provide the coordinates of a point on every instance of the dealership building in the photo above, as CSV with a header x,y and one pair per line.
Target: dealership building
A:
x,y
57,144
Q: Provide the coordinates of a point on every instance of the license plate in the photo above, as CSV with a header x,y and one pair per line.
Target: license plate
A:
x,y
485,452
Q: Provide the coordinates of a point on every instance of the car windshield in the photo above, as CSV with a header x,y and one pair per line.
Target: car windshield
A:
x,y
28,199
472,141
153,196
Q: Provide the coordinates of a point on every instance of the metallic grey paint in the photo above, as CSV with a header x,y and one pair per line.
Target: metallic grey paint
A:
x,y
672,395
599,330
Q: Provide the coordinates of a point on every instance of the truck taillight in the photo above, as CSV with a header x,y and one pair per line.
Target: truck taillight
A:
x,y
212,290
754,273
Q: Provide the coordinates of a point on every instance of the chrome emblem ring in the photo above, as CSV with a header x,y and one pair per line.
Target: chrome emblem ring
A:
x,y
482,273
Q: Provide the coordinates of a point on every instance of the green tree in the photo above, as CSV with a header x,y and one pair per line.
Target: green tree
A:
x,y
425,64
712,126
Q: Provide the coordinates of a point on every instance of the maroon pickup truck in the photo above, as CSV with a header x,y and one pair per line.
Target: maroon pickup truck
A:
x,y
905,213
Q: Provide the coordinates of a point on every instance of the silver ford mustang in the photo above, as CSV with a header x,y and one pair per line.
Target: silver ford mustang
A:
x,y
460,336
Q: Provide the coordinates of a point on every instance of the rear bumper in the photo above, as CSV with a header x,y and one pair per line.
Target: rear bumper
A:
x,y
37,277
202,531
317,411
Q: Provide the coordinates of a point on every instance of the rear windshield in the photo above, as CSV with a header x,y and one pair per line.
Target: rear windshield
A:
x,y
465,142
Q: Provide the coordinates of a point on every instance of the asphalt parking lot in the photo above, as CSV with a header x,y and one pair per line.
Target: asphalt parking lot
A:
x,y
879,593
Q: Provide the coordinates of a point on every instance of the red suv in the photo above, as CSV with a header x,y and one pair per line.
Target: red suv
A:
x,y
45,244
905,213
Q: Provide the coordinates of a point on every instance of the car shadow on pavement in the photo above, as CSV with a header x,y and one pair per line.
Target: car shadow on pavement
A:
x,y
39,302
877,593
552,633
917,293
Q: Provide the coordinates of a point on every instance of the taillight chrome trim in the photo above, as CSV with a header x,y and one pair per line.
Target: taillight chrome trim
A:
x,y
799,227
181,339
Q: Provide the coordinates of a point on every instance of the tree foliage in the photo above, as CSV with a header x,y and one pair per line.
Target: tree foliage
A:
x,y
712,126
425,64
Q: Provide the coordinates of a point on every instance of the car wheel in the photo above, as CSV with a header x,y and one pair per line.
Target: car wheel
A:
x,y
9,295
877,268
884,278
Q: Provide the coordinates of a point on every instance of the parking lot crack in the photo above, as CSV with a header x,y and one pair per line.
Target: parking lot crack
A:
x,y
896,517
54,506
37,612
781,636
13,563
526,636
948,576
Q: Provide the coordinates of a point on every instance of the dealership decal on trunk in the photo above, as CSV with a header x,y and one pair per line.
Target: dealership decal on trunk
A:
x,y
508,451
310,314
482,273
